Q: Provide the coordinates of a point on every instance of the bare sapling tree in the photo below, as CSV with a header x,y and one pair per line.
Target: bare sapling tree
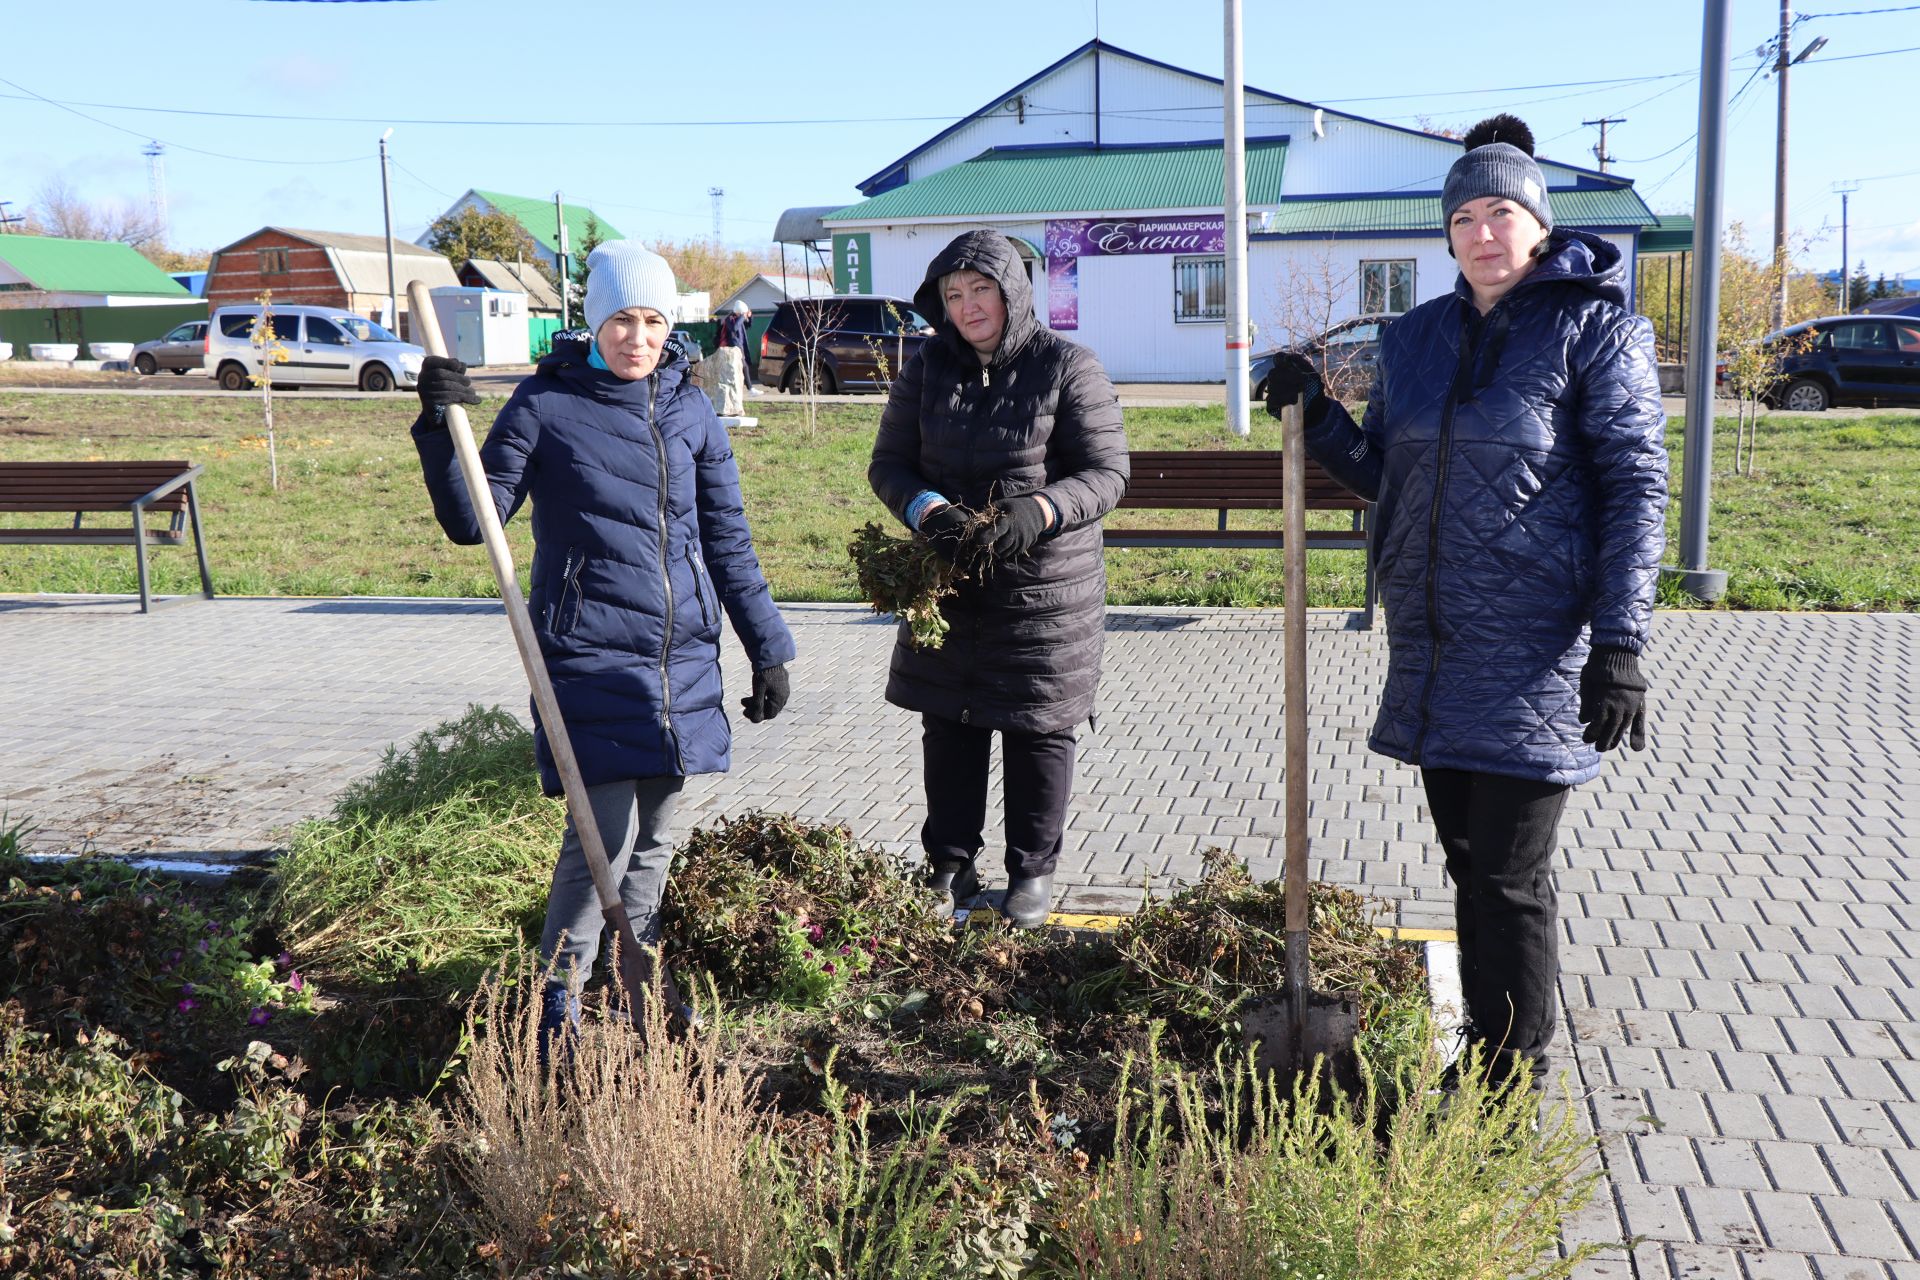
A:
x,y
267,343
1320,289
811,376
1753,354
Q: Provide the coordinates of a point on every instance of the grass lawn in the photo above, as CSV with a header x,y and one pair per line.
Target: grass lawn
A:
x,y
1827,520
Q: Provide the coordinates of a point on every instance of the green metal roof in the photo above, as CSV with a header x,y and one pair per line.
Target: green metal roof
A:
x,y
1673,235
1075,180
86,266
1594,207
536,215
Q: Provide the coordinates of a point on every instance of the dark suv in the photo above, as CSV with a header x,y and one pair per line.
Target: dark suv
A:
x,y
848,342
1861,360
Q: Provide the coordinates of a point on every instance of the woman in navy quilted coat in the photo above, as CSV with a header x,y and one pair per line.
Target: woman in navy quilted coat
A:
x,y
1513,444
640,544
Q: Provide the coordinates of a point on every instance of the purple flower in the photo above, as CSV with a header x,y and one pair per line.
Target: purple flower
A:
x,y
212,927
174,957
260,1016
827,968
845,950
295,982
815,933
187,1006
284,960
201,946
186,988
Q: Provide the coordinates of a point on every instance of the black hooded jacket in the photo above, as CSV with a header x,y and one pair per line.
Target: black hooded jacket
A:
x,y
1024,647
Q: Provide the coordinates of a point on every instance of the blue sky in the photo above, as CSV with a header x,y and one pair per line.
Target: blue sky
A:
x,y
888,76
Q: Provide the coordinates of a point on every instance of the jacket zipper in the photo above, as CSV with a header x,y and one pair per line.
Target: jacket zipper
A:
x,y
693,568
570,584
666,575
973,435
1468,349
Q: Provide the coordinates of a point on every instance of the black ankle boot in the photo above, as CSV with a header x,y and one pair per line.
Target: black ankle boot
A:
x,y
1028,900
956,883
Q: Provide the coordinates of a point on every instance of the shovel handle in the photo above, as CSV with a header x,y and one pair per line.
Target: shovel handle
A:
x,y
1294,533
426,330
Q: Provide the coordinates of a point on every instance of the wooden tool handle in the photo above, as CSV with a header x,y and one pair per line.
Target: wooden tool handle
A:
x,y
426,331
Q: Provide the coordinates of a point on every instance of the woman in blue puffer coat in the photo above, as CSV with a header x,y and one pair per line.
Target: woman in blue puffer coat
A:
x,y
640,543
1513,444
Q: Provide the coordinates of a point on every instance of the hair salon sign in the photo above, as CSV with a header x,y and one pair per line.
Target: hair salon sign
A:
x,y
1071,239
1088,238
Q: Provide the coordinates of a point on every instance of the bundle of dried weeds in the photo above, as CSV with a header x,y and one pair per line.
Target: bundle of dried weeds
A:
x,y
641,1141
905,577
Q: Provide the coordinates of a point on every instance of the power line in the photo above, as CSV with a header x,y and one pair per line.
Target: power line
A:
x,y
178,146
1856,13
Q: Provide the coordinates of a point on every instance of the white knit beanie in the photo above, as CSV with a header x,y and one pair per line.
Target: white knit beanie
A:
x,y
625,273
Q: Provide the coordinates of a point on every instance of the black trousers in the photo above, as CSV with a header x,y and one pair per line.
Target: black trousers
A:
x,y
1499,835
1038,783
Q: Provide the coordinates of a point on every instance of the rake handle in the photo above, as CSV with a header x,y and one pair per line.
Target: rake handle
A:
x,y
426,329
1294,535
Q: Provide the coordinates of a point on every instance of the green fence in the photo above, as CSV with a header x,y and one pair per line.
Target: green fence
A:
x,y
93,324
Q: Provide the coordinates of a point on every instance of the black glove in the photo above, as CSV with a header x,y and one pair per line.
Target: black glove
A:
x,y
946,529
1018,526
770,692
442,382
1291,377
1613,698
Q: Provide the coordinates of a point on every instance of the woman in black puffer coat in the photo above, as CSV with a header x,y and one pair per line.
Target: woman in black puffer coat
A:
x,y
1513,442
999,411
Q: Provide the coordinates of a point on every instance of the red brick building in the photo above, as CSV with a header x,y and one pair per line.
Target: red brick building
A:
x,y
321,269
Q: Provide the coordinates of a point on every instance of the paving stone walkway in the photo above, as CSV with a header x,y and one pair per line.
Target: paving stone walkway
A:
x,y
1741,940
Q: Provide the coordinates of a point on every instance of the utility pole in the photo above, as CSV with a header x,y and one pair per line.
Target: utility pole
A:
x,y
1234,207
1696,475
1781,64
1600,152
560,239
8,219
386,205
717,194
1846,301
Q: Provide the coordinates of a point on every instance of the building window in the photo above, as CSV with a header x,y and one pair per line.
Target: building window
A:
x,y
1199,290
1386,287
273,262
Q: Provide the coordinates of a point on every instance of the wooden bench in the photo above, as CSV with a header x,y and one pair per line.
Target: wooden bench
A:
x,y
1223,480
132,487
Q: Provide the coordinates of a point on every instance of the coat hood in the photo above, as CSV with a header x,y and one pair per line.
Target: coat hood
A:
x,y
992,255
1576,258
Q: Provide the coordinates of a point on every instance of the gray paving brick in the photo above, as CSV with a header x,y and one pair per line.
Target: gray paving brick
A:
x,y
1863,1229
1792,1222
1771,1264
1721,1216
1733,1164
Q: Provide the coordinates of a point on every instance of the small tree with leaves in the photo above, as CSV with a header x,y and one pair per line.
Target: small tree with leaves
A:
x,y
267,343
594,235
1753,364
486,233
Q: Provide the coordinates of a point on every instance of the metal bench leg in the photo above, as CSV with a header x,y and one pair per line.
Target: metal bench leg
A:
x,y
140,556
200,542
1369,554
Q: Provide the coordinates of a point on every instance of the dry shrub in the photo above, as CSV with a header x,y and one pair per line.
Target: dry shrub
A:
x,y
638,1151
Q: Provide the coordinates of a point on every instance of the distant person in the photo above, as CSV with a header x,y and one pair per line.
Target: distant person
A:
x,y
997,411
1513,442
640,542
743,320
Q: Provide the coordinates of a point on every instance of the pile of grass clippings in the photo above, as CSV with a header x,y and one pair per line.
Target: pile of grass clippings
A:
x,y
435,864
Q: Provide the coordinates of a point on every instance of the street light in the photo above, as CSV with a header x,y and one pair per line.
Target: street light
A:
x,y
386,204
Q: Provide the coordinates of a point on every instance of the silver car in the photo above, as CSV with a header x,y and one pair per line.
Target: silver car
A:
x,y
184,347
325,347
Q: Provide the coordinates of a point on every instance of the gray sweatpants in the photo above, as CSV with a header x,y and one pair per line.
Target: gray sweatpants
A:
x,y
634,819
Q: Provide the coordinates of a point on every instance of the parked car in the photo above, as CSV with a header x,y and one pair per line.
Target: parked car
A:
x,y
183,347
326,347
859,342
1844,360
1344,356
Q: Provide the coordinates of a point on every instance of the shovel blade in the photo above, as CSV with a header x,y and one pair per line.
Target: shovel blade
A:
x,y
1332,1027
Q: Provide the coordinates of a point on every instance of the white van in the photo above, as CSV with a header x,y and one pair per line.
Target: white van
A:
x,y
326,347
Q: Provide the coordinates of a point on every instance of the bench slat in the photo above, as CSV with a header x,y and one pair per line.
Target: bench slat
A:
x,y
89,486
90,537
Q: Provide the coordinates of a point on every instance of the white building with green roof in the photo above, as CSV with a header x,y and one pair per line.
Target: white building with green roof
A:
x,y
1106,170
47,271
